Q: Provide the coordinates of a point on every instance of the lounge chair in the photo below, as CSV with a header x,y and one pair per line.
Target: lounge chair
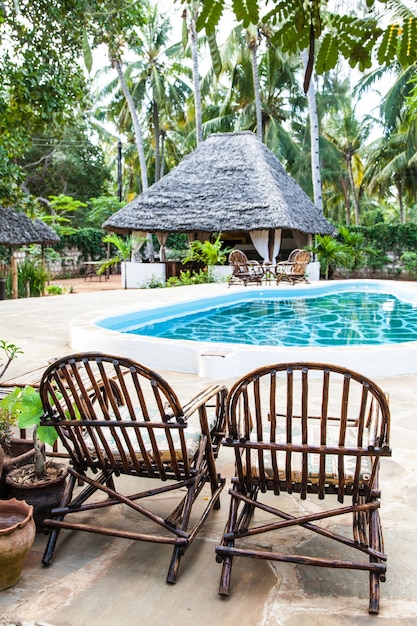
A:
x,y
244,271
318,431
127,420
294,270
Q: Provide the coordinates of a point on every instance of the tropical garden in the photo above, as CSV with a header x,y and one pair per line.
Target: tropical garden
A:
x,y
101,98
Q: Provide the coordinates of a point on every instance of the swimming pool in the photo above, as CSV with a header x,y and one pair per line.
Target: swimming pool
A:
x,y
342,319
392,314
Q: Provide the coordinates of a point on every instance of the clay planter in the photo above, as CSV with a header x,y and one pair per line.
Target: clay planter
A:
x,y
43,495
17,533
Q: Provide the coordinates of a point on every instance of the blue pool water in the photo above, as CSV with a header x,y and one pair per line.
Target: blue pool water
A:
x,y
334,318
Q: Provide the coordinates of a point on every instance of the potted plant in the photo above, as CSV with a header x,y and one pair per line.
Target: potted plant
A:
x,y
212,254
125,249
14,450
40,482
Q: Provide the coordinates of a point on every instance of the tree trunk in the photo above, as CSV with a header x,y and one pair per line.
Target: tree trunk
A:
x,y
314,139
253,47
135,121
196,79
156,130
138,138
346,197
352,186
400,200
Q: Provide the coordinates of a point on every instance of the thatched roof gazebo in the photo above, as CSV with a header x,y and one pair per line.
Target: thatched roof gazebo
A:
x,y
16,229
231,182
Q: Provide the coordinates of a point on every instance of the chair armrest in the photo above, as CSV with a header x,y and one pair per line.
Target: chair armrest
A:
x,y
201,400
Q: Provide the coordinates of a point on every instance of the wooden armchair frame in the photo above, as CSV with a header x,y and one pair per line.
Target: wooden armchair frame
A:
x,y
312,429
294,270
244,271
116,417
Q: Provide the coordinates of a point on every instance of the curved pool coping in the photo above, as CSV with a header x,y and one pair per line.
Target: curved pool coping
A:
x,y
223,360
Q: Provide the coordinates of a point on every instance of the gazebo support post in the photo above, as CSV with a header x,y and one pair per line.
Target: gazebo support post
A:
x,y
13,268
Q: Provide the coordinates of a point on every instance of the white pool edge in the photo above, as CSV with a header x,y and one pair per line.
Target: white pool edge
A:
x,y
220,361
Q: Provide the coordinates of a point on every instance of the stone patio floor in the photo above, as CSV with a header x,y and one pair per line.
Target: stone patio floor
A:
x,y
102,581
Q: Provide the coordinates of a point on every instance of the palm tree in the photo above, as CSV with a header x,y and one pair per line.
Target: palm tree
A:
x,y
190,18
314,137
347,134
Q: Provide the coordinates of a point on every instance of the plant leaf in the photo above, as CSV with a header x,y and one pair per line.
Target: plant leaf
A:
x,y
47,434
88,57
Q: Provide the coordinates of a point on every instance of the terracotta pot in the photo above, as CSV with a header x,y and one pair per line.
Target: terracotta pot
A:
x,y
17,533
43,495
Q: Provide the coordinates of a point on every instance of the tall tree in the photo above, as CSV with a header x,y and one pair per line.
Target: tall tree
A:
x,y
348,135
314,136
328,34
42,86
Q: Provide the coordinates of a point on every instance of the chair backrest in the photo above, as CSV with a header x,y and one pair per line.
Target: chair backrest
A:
x,y
237,257
111,412
293,254
308,427
299,261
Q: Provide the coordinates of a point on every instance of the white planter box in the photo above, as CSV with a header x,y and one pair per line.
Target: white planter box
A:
x,y
313,271
220,273
139,274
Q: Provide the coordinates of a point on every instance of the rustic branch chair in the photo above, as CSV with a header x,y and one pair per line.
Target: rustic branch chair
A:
x,y
306,428
294,270
116,417
244,271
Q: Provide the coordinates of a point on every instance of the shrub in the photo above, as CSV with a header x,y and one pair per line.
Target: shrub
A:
x,y
409,261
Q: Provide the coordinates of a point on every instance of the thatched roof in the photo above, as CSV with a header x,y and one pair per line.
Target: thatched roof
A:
x,y
16,229
231,182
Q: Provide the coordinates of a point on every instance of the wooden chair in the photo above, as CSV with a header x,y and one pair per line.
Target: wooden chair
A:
x,y
244,271
116,417
315,430
294,270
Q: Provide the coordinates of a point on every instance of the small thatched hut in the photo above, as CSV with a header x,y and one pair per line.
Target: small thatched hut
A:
x,y
16,229
233,184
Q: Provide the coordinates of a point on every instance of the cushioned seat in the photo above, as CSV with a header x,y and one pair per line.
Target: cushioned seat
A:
x,y
276,459
131,442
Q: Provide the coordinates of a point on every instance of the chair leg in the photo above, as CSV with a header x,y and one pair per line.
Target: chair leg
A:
x,y
225,577
224,588
53,534
174,565
375,578
374,593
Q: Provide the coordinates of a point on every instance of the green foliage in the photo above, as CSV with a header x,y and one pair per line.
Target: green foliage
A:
x,y
8,417
11,351
55,290
190,277
61,208
376,260
124,250
100,209
29,407
330,253
339,32
409,261
31,278
395,238
207,252
89,241
66,159
152,283
354,248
